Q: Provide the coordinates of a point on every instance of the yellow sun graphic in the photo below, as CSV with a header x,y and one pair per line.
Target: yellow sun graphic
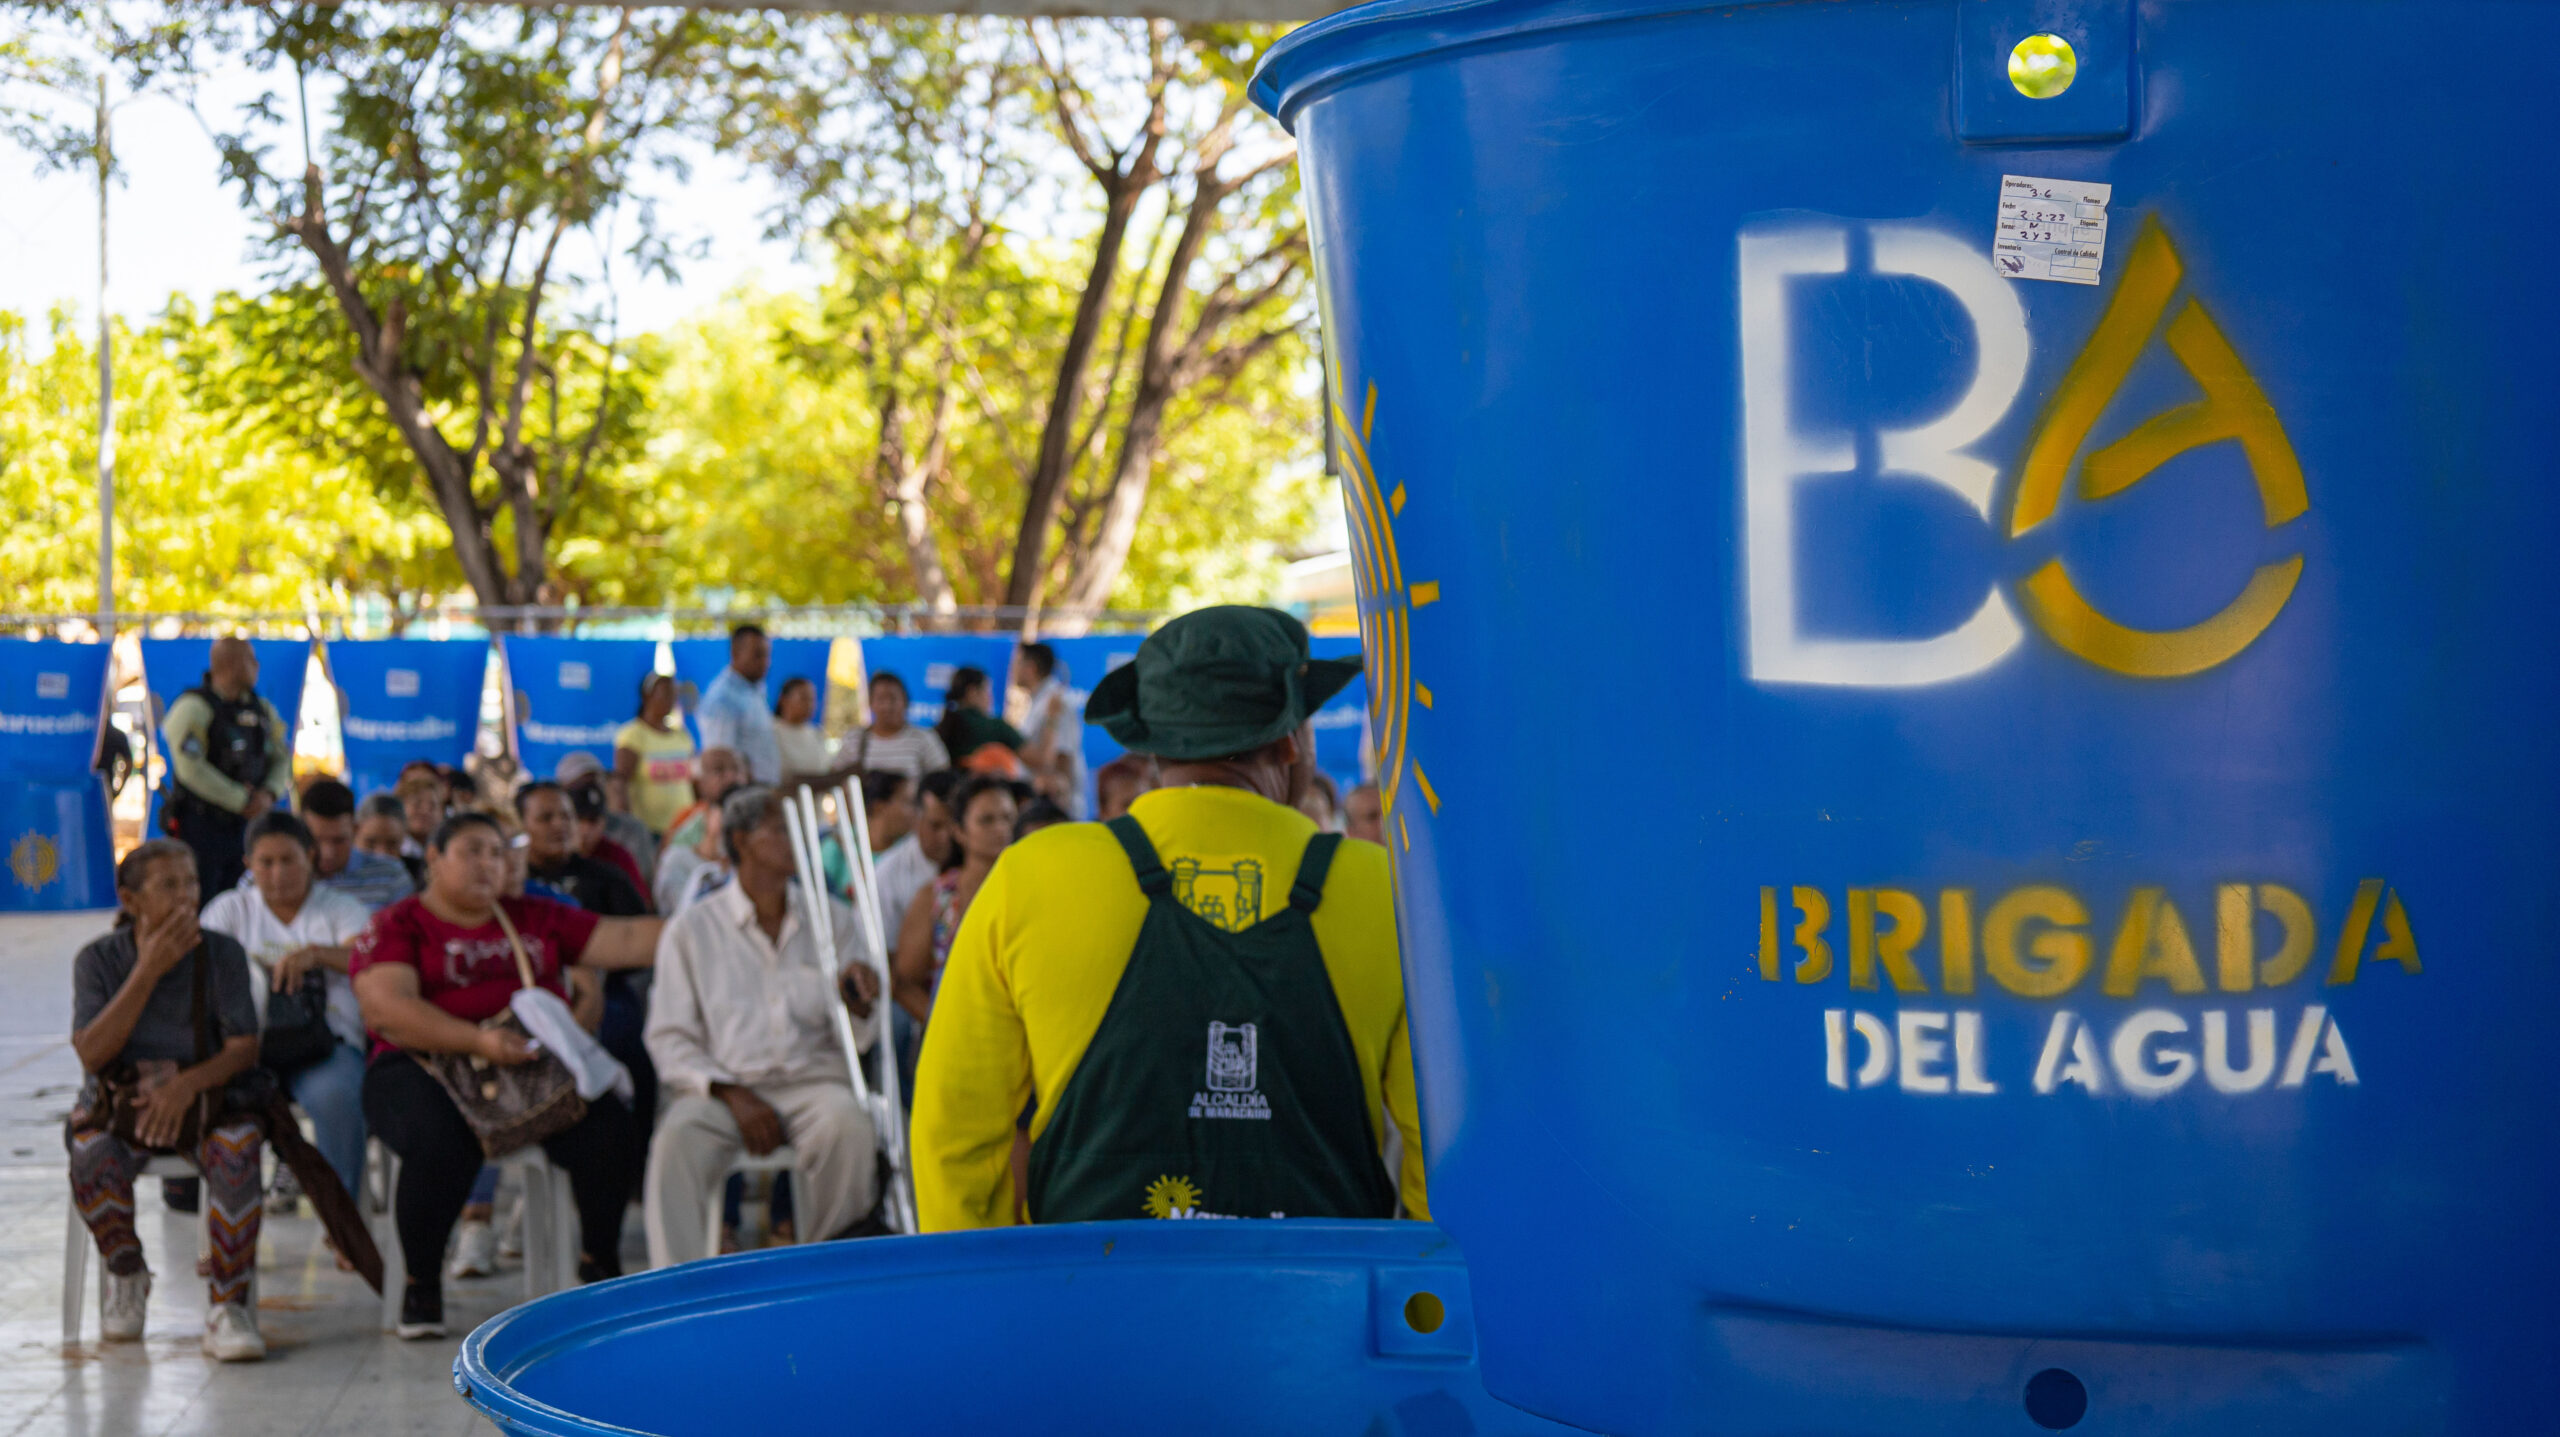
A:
x,y
1171,1197
1387,604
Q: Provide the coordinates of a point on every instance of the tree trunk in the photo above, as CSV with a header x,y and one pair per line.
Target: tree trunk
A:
x,y
1142,435
1048,482
378,364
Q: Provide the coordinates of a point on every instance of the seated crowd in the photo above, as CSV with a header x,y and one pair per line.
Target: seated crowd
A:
x,y
375,964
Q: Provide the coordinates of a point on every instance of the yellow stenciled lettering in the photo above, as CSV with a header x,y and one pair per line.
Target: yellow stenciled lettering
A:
x,y
2300,934
1769,935
2054,958
1955,940
2399,945
2342,967
1891,946
2151,943
2234,918
1815,911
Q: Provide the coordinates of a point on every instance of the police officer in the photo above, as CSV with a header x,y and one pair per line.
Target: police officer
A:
x,y
228,762
1198,1004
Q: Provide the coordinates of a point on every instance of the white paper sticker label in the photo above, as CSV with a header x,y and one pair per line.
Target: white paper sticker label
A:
x,y
2051,229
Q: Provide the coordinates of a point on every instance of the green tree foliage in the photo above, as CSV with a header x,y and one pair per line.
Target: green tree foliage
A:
x,y
1062,356
1055,246
282,370
426,219
211,515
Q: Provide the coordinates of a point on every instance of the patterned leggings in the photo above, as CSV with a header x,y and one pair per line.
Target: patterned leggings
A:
x,y
102,1173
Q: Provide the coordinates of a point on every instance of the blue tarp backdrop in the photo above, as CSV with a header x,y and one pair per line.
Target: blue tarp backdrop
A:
x,y
1341,725
699,661
406,699
573,694
53,810
170,667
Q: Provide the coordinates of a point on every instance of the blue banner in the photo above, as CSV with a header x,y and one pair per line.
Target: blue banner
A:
x,y
573,694
50,696
62,854
699,661
53,809
170,667
924,663
404,700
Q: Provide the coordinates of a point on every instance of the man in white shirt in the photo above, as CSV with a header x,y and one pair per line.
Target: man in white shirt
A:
x,y
1052,728
890,744
293,925
733,714
746,1048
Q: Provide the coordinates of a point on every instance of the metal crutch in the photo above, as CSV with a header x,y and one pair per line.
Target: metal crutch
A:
x,y
853,831
814,912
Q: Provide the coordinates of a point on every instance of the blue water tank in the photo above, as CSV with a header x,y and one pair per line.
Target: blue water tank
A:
x,y
1246,1328
1972,773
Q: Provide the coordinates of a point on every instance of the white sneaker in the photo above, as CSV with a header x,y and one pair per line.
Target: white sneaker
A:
x,y
231,1334
475,1251
120,1304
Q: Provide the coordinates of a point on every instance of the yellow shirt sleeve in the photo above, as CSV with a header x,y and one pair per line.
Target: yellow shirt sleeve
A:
x,y
972,1079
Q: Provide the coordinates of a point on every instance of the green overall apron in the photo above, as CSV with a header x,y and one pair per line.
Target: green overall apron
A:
x,y
1222,1082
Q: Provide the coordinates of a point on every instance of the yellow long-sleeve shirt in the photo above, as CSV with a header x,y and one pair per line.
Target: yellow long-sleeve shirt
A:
x,y
1035,963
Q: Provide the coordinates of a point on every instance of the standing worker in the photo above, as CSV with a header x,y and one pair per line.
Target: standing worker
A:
x,y
228,763
1202,998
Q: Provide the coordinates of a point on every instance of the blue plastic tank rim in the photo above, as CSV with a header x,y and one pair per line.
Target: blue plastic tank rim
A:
x,y
1363,38
515,1343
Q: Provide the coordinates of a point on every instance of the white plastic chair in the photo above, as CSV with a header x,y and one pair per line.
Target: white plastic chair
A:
x,y
550,1227
780,1160
78,1246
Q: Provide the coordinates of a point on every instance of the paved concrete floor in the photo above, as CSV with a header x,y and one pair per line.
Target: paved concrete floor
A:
x,y
330,1370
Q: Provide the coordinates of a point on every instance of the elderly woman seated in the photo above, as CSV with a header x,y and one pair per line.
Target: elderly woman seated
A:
x,y
162,1021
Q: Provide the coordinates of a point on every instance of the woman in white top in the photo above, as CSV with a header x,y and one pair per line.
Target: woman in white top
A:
x,y
796,732
292,926
890,744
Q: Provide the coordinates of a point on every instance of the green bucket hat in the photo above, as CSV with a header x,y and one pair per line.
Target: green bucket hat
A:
x,y
1217,681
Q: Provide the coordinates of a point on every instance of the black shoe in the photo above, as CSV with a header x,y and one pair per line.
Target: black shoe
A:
x,y
591,1270
421,1312
179,1194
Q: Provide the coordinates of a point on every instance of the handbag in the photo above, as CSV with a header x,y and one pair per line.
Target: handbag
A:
x,y
297,1033
122,1095
509,1107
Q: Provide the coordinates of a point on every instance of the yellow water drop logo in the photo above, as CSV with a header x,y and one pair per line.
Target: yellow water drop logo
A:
x,y
2233,407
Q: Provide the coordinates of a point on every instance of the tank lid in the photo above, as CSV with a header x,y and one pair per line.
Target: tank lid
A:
x,y
1369,37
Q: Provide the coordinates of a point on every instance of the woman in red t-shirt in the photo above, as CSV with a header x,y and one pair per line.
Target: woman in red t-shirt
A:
x,y
427,972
